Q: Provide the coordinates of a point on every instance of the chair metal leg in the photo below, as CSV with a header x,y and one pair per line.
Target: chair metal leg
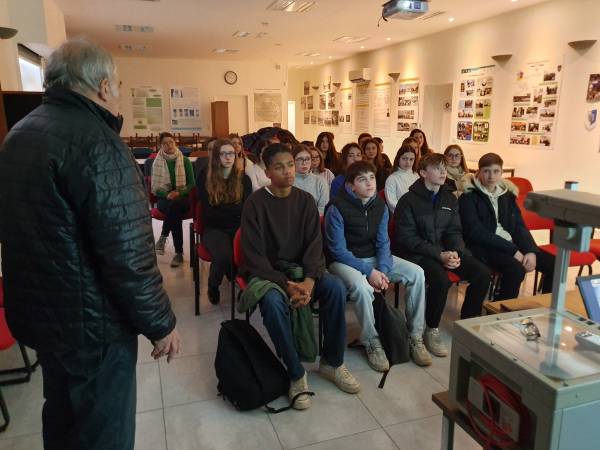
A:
x,y
5,414
196,271
27,369
192,243
535,283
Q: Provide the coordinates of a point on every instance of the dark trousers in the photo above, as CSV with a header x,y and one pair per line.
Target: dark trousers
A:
x,y
470,269
90,398
512,272
331,295
174,210
220,245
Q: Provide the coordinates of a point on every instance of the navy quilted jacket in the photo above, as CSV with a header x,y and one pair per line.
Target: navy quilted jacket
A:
x,y
77,247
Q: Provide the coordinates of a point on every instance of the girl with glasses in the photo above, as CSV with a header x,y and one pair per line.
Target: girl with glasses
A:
x,y
456,166
307,181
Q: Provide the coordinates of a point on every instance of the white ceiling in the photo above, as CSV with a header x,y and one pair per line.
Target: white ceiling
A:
x,y
193,28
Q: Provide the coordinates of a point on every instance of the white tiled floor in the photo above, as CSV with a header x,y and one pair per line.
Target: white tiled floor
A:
x,y
178,407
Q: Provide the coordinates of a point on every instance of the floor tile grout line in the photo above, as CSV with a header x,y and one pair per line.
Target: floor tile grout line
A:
x,y
404,422
334,438
275,430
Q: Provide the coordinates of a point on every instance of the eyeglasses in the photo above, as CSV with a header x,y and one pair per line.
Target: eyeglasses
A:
x,y
303,160
530,330
227,154
453,155
315,158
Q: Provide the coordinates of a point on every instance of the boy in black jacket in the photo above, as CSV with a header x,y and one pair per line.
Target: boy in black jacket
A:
x,y
495,232
428,233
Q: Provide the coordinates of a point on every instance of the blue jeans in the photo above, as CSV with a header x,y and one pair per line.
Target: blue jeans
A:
x,y
331,295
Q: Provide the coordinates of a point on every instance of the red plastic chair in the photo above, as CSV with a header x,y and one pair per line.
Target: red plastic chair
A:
x,y
595,248
523,184
199,253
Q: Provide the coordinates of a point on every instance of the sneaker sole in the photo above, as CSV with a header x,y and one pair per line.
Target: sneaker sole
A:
x,y
302,404
421,363
377,369
344,388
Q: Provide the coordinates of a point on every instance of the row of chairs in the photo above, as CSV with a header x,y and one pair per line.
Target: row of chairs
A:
x,y
194,141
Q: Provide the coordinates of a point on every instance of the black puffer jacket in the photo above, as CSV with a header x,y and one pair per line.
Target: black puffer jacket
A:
x,y
77,246
424,228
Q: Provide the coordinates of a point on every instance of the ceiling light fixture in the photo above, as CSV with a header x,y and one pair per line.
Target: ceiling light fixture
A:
x,y
241,34
224,50
329,57
451,19
362,46
351,39
298,6
312,62
388,38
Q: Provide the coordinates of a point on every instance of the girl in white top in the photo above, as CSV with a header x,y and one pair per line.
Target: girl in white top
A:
x,y
317,166
256,172
307,181
403,177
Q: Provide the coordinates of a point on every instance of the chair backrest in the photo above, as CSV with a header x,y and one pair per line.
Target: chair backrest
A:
x,y
532,220
523,184
6,338
237,248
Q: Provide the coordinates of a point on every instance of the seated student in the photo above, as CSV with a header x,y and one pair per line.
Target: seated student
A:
x,y
494,230
256,173
405,175
372,153
419,136
428,233
281,223
172,180
326,146
242,160
362,137
351,153
456,165
386,159
222,190
307,181
356,235
317,165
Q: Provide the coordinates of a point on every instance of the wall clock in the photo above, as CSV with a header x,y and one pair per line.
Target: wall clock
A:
x,y
230,77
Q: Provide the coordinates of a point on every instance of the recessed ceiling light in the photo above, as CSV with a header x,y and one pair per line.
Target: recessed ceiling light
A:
x,y
134,47
224,50
362,46
451,19
278,45
309,54
312,62
351,39
329,57
291,5
241,34
388,38
135,28
514,1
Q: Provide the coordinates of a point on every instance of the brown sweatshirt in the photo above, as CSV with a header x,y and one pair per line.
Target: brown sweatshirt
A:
x,y
275,229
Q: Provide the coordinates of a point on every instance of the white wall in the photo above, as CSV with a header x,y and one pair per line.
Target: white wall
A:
x,y
530,34
207,76
9,65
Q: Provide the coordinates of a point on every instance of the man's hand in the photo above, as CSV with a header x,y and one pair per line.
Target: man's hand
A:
x,y
170,345
300,293
172,195
378,280
529,262
519,256
450,260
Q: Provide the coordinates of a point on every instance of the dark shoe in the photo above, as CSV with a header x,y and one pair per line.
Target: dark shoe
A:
x,y
214,295
177,260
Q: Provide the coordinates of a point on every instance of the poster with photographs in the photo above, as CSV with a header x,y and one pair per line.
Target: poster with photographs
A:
x,y
306,87
593,91
267,107
309,102
147,106
331,100
361,114
313,117
302,103
346,110
381,110
535,104
408,106
306,117
474,111
323,102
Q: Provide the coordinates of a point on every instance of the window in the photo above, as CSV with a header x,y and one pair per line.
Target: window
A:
x,y
30,65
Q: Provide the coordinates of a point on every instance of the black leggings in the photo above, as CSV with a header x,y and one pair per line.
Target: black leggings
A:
x,y
174,211
220,245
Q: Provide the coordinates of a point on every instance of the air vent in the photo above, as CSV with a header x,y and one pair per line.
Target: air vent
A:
x,y
310,54
433,15
241,34
351,39
298,6
134,28
134,47
224,50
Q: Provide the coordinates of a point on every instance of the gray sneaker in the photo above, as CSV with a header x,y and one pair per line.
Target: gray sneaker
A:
x,y
376,355
340,376
296,387
160,245
418,352
434,343
177,260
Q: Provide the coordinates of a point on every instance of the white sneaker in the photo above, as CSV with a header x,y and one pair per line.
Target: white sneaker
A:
x,y
160,245
340,376
376,355
434,343
296,387
418,352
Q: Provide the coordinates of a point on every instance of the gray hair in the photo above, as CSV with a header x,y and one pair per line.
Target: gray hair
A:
x,y
80,66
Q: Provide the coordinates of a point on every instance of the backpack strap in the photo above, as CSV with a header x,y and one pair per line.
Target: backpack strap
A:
x,y
383,378
291,405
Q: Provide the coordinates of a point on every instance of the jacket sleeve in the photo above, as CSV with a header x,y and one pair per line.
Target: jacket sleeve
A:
x,y
336,242
108,195
522,237
384,254
407,234
453,237
391,192
474,229
313,260
255,261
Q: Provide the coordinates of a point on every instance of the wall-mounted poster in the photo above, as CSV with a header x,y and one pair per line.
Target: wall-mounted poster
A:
x,y
313,117
267,106
302,103
476,87
535,104
323,102
309,102
593,92
185,108
306,87
408,106
331,100
346,110
306,117
147,107
381,110
361,114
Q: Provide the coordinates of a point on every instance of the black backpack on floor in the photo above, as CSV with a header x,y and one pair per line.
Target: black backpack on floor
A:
x,y
250,376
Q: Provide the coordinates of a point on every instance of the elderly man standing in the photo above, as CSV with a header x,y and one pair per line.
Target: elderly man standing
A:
x,y
80,274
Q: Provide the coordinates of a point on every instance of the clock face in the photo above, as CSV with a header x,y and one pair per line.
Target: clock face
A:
x,y
230,77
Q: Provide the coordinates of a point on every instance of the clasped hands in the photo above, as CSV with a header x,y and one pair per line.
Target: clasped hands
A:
x,y
300,292
450,260
529,260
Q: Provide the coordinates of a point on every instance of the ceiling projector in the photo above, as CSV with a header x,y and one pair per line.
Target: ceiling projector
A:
x,y
404,9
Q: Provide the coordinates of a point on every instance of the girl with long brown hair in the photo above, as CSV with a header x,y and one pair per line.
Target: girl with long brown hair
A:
x,y
317,165
223,187
351,153
327,147
404,175
456,166
372,153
